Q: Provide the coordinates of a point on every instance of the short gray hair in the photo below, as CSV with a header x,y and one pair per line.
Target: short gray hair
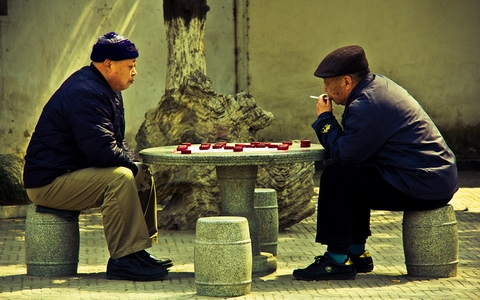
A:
x,y
358,76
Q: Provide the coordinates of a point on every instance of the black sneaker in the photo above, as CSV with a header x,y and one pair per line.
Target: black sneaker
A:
x,y
324,268
147,257
363,263
131,267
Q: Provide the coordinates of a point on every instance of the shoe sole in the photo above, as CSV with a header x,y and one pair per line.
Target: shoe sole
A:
x,y
367,270
135,278
167,264
125,277
328,277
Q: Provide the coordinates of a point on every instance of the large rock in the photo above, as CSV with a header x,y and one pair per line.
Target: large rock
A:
x,y
195,113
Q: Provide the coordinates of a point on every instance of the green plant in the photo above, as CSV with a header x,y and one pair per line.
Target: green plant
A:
x,y
12,191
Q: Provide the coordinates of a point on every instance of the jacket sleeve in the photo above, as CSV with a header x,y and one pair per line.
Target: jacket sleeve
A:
x,y
92,119
359,140
328,130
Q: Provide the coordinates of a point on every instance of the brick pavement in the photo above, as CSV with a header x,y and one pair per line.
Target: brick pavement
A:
x,y
296,249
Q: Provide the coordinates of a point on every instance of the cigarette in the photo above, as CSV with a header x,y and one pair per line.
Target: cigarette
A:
x,y
316,97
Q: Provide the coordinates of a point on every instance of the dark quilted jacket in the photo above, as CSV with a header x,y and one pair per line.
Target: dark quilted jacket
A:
x,y
384,126
82,125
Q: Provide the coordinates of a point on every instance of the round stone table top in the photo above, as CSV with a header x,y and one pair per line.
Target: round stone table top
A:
x,y
168,155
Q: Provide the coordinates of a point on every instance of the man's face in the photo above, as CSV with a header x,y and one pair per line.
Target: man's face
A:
x,y
122,74
335,87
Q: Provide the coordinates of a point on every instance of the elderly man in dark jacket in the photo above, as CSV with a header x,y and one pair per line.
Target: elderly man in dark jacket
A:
x,y
387,155
77,158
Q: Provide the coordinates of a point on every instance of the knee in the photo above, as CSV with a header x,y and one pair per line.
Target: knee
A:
x,y
123,173
122,179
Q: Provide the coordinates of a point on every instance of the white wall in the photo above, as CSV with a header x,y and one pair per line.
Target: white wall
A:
x,y
44,41
430,47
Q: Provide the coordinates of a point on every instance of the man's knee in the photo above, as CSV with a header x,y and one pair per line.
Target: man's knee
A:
x,y
122,178
123,173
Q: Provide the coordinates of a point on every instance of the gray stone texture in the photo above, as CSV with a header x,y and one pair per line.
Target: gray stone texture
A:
x,y
265,203
51,244
222,256
430,242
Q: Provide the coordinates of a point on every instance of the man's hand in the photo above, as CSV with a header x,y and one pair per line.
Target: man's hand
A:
x,y
324,104
143,177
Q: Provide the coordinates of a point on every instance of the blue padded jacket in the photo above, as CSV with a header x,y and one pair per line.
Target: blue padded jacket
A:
x,y
81,126
384,126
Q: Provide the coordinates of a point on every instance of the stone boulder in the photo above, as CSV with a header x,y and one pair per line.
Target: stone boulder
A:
x,y
195,113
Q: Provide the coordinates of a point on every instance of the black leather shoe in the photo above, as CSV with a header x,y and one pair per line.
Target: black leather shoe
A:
x,y
131,267
147,257
324,268
363,263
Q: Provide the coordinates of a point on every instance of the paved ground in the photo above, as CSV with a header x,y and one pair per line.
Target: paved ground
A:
x,y
296,249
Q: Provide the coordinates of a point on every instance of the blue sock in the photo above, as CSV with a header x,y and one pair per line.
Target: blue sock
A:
x,y
338,258
356,249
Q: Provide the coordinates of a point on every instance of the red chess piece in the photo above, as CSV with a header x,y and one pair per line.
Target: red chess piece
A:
x,y
305,143
204,146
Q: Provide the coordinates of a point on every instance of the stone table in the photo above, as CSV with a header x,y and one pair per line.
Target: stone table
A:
x,y
236,176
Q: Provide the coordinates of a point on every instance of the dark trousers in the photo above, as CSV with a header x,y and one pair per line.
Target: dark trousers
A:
x,y
347,194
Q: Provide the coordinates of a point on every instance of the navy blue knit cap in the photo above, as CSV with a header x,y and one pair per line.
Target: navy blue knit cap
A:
x,y
342,61
114,47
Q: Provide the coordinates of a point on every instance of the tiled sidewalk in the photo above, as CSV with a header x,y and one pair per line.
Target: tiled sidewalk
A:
x,y
296,249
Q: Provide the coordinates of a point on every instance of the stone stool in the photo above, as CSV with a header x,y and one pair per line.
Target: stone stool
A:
x,y
266,208
223,256
430,242
51,244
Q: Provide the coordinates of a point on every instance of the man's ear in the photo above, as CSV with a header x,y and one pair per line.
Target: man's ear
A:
x,y
347,82
107,65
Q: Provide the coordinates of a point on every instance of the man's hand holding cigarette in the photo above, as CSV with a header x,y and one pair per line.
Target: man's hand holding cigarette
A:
x,y
324,104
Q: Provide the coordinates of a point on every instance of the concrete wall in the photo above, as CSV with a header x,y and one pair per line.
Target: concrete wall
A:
x,y
44,41
431,47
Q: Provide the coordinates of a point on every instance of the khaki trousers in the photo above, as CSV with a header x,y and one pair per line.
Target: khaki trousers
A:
x,y
115,191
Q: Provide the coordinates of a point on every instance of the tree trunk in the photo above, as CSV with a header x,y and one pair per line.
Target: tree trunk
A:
x,y
191,111
185,25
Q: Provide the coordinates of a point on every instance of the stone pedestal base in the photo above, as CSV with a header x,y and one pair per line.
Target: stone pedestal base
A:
x,y
264,264
51,244
237,187
266,208
223,257
430,242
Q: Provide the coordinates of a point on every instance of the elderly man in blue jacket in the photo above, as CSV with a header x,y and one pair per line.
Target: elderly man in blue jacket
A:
x,y
77,158
387,155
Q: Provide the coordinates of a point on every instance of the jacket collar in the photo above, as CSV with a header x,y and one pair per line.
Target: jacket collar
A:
x,y
97,72
360,86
